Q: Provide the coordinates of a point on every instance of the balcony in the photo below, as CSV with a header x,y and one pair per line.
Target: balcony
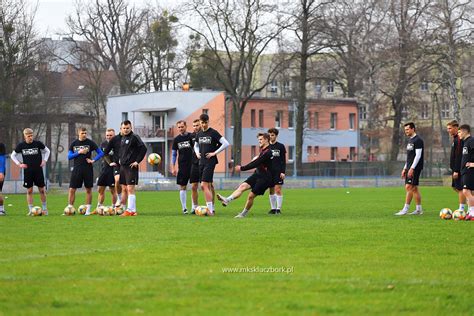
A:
x,y
152,132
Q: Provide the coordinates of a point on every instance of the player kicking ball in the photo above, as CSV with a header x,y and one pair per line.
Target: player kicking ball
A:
x,y
259,181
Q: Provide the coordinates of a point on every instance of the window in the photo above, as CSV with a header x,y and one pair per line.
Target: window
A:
x,y
333,120
252,118
316,150
309,150
330,87
317,87
205,111
316,120
362,112
291,119
278,118
287,86
260,118
124,116
333,153
352,153
274,86
352,118
425,112
308,120
158,122
291,152
253,152
424,86
445,110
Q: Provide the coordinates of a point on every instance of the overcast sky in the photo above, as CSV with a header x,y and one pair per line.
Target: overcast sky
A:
x,y
51,14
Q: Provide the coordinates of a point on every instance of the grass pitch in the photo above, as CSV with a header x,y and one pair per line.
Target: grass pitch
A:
x,y
333,251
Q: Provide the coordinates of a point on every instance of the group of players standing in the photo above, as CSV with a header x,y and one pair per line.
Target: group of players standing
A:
x,y
121,155
461,164
196,154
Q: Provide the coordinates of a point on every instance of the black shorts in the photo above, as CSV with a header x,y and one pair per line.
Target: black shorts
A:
x,y
1,186
194,177
106,178
116,170
33,176
184,173
276,180
128,176
258,183
206,172
457,183
82,174
415,180
468,181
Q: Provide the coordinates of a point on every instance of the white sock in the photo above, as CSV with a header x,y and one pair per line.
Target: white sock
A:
x,y
273,201
88,208
419,208
182,198
229,198
1,208
471,210
99,204
194,206
119,199
45,207
210,206
131,203
30,206
279,199
244,211
406,207
462,206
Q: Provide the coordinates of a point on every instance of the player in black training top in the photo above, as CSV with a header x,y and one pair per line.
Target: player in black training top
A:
x,y
111,155
31,155
278,172
132,151
259,181
455,162
2,176
412,170
106,176
183,150
209,143
80,152
467,168
194,177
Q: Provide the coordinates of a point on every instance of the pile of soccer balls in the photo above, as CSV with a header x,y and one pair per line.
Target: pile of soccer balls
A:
x,y
457,215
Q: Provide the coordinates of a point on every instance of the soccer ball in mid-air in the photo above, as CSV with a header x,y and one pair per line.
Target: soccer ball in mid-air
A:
x,y
109,211
201,210
36,211
82,209
69,210
459,215
154,159
446,213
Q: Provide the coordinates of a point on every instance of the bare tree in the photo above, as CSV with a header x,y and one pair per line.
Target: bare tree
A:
x,y
113,30
17,63
235,35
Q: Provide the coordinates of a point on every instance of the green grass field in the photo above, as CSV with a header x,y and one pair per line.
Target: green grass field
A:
x,y
343,251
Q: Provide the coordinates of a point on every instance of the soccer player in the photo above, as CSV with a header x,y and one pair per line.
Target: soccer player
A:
x,y
111,155
194,177
132,152
34,155
412,170
455,162
82,173
278,171
106,177
183,150
2,176
259,181
209,143
467,168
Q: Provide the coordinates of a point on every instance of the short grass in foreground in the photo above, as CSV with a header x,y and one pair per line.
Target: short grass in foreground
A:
x,y
342,249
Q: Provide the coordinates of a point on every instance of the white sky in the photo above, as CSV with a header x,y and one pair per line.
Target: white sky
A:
x,y
51,15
